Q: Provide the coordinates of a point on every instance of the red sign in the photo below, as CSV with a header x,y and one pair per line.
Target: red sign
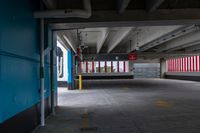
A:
x,y
132,56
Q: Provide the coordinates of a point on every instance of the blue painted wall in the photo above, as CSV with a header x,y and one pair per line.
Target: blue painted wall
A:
x,y
19,58
70,66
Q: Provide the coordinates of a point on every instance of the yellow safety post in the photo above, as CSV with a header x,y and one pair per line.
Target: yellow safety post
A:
x,y
80,82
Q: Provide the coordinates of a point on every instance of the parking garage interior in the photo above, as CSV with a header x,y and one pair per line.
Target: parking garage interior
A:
x,y
99,66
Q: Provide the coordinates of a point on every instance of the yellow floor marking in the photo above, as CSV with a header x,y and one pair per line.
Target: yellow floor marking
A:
x,y
85,122
164,104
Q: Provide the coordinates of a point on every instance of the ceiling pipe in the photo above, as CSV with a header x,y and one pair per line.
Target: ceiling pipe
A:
x,y
67,13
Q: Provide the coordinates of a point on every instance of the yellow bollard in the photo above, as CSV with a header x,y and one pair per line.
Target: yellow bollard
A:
x,y
80,82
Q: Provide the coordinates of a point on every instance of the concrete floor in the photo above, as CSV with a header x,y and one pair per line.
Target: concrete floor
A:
x,y
128,106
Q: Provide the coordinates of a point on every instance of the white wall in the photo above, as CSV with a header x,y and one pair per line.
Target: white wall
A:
x,y
65,70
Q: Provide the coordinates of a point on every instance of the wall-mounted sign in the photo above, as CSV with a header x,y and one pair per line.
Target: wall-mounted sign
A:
x,y
132,56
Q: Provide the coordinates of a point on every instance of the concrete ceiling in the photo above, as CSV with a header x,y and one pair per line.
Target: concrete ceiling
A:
x,y
156,39
124,26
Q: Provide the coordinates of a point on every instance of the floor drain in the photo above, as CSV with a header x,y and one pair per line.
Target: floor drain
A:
x,y
89,129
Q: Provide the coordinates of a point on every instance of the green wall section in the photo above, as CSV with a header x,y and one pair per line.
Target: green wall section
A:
x,y
19,58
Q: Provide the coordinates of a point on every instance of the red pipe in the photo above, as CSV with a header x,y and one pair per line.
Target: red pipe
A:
x,y
180,60
196,63
187,70
92,66
175,63
199,62
185,64
171,65
178,65
124,66
117,66
86,67
99,67
111,66
182,65
191,63
168,64
105,66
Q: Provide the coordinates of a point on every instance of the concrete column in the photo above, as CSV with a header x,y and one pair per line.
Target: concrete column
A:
x,y
131,67
163,67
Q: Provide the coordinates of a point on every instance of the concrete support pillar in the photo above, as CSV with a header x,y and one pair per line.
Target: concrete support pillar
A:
x,y
163,67
131,66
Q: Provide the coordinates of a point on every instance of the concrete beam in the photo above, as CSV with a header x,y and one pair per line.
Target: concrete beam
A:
x,y
163,67
101,39
67,40
190,40
122,5
175,33
130,18
152,5
62,41
147,35
118,37
193,48
184,46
